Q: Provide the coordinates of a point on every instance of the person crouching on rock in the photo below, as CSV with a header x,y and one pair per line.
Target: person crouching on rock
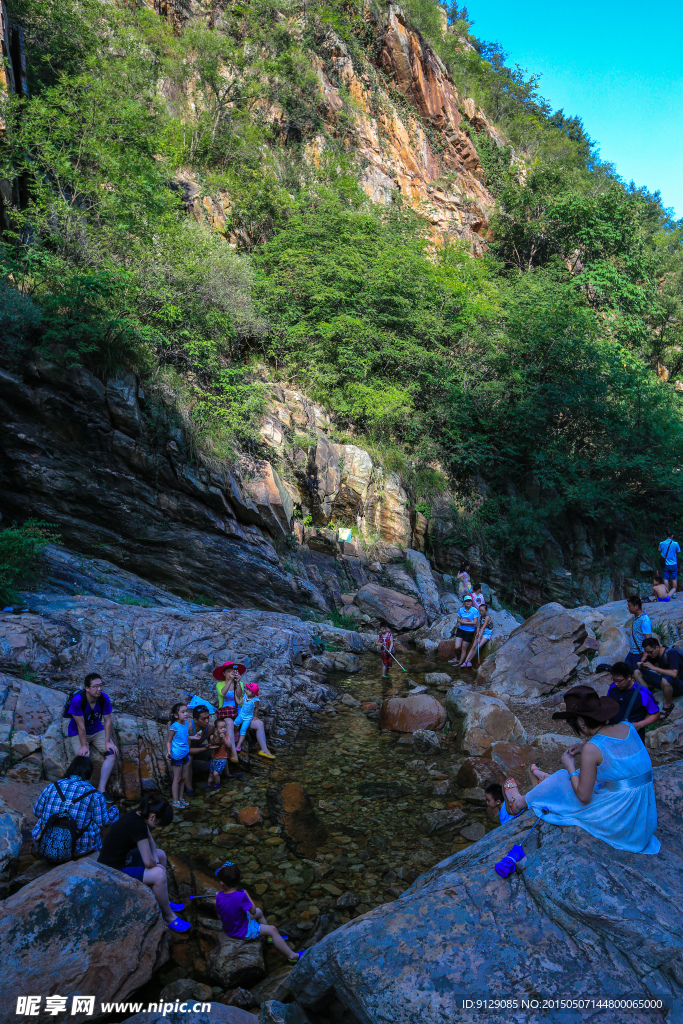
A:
x,y
129,848
612,795
240,918
385,645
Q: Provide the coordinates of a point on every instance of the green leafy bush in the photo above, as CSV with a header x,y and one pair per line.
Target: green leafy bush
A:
x,y
20,548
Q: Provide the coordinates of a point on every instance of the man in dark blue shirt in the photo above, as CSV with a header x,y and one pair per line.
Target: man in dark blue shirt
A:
x,y
635,700
660,669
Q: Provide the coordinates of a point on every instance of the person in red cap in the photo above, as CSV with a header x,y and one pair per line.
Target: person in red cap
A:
x,y
231,696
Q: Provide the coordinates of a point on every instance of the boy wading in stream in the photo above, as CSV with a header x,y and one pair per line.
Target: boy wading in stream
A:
x,y
385,645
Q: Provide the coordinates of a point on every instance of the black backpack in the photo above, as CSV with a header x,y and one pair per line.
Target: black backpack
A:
x,y
84,704
60,833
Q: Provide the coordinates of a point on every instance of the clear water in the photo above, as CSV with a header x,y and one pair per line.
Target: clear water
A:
x,y
344,813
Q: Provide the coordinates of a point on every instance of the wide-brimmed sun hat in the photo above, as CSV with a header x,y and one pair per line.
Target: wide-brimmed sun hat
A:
x,y
220,669
584,700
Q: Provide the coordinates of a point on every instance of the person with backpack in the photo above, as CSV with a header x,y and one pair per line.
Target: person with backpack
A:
x,y
90,727
70,814
660,669
635,700
669,551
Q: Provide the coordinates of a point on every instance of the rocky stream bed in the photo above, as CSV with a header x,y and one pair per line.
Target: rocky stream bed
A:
x,y
343,821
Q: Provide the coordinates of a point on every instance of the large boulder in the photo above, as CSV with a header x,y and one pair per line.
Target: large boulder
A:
x,y
82,927
576,919
416,711
613,646
422,573
11,824
401,611
541,656
479,721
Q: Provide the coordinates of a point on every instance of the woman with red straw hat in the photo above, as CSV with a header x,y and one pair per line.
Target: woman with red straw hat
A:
x,y
612,795
230,696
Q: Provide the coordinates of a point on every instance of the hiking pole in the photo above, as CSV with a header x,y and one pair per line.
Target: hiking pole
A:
x,y
506,866
397,661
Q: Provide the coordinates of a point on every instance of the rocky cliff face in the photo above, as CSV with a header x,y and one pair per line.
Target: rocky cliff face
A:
x,y
418,149
90,457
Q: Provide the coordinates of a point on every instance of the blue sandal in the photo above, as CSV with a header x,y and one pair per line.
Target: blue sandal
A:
x,y
176,907
177,925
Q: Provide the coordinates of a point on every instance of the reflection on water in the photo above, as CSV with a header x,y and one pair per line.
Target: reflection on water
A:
x,y
346,817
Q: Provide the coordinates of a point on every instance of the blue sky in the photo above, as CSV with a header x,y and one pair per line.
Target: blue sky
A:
x,y
618,66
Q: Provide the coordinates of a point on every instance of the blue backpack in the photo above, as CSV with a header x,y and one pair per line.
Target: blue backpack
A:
x,y
60,833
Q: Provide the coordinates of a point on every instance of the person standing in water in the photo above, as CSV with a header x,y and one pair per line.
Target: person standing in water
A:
x,y
385,646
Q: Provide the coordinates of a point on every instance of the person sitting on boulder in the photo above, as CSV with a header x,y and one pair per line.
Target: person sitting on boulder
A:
x,y
129,848
227,678
89,730
246,712
483,634
385,645
238,915
495,801
78,797
634,699
478,598
660,669
660,591
468,620
200,740
612,795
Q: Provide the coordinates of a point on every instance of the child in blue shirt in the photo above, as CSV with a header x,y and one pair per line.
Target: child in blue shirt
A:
x,y
178,751
246,712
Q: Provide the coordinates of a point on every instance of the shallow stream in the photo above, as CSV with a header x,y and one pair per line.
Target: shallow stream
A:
x,y
345,824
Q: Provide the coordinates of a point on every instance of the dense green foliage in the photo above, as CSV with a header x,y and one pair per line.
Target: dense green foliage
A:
x,y
20,548
537,361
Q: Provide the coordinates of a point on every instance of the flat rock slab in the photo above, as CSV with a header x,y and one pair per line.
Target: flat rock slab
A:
x,y
408,714
569,922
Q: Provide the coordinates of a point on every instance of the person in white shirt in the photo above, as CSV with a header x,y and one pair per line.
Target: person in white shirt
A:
x,y
468,620
670,549
478,598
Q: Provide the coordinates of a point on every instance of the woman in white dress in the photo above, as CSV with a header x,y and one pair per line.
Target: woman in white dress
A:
x,y
612,796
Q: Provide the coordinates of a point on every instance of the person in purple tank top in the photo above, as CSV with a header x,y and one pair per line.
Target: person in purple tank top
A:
x,y
240,918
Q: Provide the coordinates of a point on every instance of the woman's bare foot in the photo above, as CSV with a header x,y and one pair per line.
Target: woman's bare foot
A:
x,y
514,801
537,773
